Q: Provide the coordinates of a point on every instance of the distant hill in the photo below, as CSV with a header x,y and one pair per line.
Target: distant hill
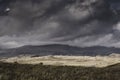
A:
x,y
58,49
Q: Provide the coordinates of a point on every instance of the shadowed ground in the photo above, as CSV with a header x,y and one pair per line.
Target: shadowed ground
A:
x,y
17,71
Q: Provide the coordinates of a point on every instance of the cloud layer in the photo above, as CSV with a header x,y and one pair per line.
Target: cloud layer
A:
x,y
75,22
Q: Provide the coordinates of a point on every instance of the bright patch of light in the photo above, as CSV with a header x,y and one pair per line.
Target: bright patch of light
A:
x,y
7,9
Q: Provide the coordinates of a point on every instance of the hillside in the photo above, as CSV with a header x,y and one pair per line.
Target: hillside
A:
x,y
58,49
17,71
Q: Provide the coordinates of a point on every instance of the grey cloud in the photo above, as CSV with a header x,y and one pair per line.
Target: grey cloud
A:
x,y
73,22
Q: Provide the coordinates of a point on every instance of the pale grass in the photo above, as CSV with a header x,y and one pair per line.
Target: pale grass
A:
x,y
88,61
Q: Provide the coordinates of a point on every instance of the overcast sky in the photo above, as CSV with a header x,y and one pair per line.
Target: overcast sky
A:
x,y
75,22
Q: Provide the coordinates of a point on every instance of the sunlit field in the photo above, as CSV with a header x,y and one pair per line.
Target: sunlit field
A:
x,y
88,61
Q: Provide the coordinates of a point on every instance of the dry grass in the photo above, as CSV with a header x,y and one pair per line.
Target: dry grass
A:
x,y
98,61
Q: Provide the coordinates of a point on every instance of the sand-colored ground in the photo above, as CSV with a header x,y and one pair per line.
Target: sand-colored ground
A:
x,y
98,61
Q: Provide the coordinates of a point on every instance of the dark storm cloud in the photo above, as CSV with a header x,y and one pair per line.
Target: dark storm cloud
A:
x,y
74,22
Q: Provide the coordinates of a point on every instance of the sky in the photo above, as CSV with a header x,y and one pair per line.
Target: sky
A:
x,y
82,23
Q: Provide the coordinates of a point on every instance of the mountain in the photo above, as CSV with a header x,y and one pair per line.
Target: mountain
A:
x,y
58,49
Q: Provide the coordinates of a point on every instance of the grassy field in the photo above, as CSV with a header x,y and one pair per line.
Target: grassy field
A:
x,y
88,61
15,71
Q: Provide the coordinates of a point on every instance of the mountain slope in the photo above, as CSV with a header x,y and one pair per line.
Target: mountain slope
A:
x,y
58,49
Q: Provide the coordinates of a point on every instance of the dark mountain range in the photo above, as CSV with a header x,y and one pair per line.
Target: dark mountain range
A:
x,y
57,49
